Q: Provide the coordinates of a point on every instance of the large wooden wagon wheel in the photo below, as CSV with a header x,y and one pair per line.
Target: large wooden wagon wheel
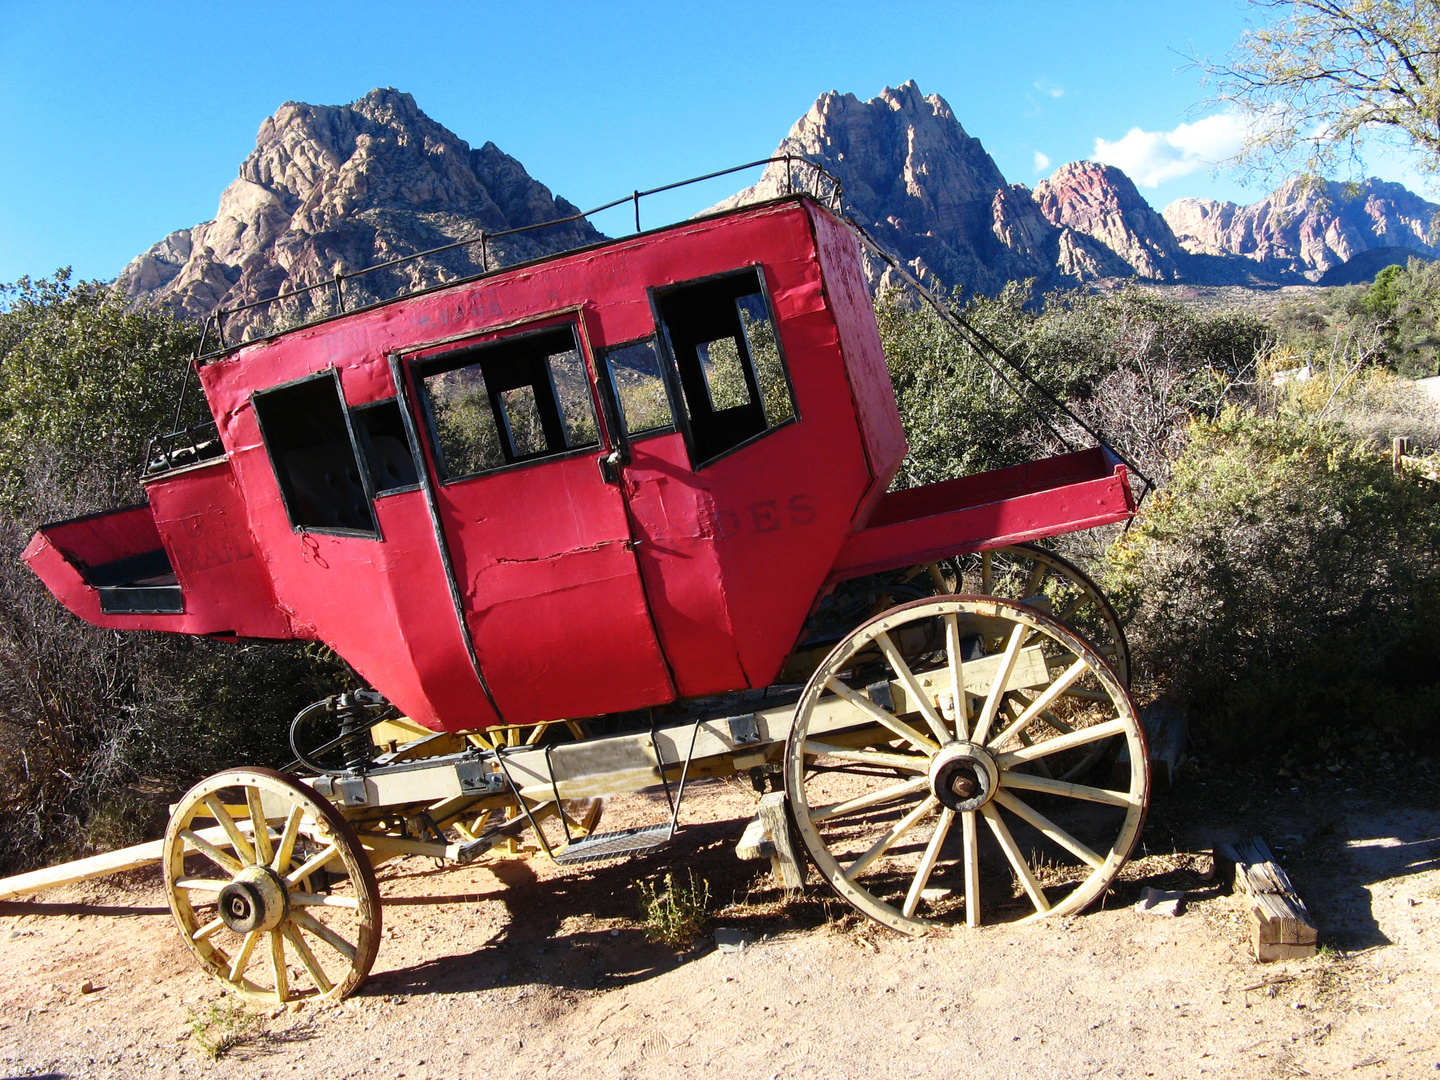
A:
x,y
270,887
1029,571
923,766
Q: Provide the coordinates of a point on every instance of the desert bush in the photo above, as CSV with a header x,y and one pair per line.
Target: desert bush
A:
x,y
1284,586
1135,366
98,729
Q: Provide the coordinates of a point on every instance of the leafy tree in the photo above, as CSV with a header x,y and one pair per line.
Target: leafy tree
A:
x,y
99,730
1325,75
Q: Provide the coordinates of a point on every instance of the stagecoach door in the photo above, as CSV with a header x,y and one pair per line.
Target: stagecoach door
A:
x,y
539,541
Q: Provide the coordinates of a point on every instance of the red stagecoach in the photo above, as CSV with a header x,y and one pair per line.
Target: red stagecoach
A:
x,y
601,522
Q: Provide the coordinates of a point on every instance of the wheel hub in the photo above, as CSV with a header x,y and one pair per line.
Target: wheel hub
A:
x,y
963,776
255,900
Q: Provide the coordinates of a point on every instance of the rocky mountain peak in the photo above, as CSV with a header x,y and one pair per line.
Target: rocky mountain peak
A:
x,y
1101,202
1307,228
918,182
334,189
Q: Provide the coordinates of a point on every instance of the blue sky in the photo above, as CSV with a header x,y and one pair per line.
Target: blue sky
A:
x,y
122,122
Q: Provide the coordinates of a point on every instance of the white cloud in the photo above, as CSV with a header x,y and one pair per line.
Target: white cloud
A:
x,y
1047,87
1041,162
1152,157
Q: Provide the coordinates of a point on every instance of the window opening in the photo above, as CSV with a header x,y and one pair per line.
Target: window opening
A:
x,y
522,421
509,401
727,354
388,458
639,385
764,348
725,381
308,438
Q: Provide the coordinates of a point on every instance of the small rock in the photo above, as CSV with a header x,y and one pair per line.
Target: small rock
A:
x,y
614,933
728,939
1160,902
936,894
87,987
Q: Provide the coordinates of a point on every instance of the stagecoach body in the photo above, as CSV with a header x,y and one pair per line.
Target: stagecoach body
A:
x,y
598,483
641,488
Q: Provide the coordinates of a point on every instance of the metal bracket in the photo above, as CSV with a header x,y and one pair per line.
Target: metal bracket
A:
x,y
744,730
879,693
351,790
475,780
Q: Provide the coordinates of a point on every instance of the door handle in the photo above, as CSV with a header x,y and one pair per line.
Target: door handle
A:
x,y
610,465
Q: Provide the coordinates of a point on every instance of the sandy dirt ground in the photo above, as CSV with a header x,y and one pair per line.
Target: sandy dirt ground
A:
x,y
515,968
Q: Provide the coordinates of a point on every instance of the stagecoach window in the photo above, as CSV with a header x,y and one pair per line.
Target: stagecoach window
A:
x,y
513,400
639,387
310,445
727,354
725,382
764,349
386,448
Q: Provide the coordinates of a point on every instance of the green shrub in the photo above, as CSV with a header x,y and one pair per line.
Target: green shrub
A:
x,y
1286,585
676,913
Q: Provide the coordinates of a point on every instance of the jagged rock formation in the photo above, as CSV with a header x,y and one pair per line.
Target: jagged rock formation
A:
x,y
335,189
931,194
921,186
1307,229
1099,203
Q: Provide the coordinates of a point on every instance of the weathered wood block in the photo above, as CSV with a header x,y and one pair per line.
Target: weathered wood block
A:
x,y
1281,925
769,836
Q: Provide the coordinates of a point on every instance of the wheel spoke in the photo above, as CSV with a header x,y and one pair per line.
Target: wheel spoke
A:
x,y
927,863
868,757
987,572
260,828
310,899
880,716
971,859
242,958
237,838
201,884
1032,584
884,844
324,933
206,930
957,675
999,684
1028,813
277,966
1075,605
913,690
1040,704
211,852
288,836
307,958
875,798
1025,781
315,862
1017,861
1079,737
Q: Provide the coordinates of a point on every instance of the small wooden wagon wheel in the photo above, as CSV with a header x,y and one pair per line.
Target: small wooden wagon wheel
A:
x,y
968,708
1026,571
270,887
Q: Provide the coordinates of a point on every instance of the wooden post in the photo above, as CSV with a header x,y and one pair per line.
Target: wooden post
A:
x,y
770,835
1283,928
1399,448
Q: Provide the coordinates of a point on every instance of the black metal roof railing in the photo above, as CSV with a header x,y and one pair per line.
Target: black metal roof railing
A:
x,y
816,182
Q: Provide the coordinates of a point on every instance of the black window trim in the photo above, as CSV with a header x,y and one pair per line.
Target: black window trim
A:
x,y
332,373
671,367
452,360
367,451
612,395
